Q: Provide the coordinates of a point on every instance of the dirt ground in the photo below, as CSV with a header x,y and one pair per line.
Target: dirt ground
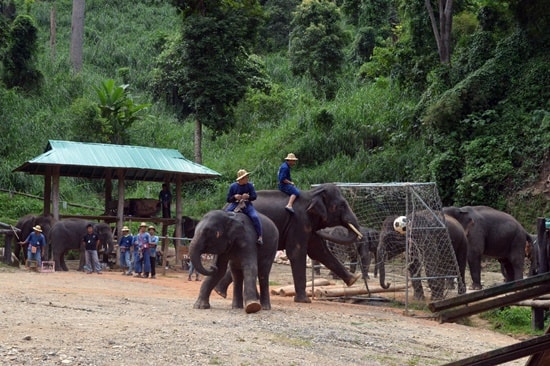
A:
x,y
71,318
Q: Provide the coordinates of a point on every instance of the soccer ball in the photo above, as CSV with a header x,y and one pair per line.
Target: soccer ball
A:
x,y
400,224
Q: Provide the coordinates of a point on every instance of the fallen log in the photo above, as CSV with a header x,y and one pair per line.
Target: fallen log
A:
x,y
290,291
351,291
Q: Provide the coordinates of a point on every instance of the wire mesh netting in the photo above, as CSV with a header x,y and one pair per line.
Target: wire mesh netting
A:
x,y
419,253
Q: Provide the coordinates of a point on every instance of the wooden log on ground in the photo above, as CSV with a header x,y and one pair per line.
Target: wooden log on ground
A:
x,y
290,291
335,291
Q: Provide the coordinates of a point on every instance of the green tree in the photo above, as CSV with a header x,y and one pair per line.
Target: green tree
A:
x,y
117,111
19,59
316,44
205,68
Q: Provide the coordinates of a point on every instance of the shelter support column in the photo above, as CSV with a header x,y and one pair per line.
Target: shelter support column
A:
x,y
120,209
48,191
55,192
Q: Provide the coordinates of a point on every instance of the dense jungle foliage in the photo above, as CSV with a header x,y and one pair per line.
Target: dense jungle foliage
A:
x,y
355,88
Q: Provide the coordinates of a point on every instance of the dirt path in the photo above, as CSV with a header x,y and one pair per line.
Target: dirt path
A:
x,y
71,318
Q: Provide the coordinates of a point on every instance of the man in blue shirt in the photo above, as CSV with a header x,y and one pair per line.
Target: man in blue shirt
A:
x,y
36,242
125,246
165,199
240,196
286,185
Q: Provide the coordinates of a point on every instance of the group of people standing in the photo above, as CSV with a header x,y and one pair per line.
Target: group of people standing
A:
x,y
138,253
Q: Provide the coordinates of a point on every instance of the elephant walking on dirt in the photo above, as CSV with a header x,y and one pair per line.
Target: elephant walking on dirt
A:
x,y
232,238
393,243
495,234
67,234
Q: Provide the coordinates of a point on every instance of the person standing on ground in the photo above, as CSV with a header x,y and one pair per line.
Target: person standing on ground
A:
x,y
36,241
153,243
240,196
91,243
142,262
286,185
125,246
165,199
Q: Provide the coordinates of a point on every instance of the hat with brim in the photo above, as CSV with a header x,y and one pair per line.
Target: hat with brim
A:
x,y
152,228
291,156
125,228
37,228
241,174
143,224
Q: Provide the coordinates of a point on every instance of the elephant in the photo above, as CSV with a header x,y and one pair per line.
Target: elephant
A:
x,y
322,206
232,238
393,243
364,247
25,224
495,234
67,234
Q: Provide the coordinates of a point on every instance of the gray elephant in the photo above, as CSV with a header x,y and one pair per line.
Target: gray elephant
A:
x,y
67,234
232,237
25,224
495,234
393,243
365,248
315,209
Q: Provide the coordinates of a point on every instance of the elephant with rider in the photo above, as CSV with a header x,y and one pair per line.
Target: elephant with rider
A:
x,y
232,238
26,224
495,234
393,243
321,207
67,234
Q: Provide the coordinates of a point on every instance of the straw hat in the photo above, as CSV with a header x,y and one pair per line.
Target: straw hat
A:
x,y
125,228
37,228
152,228
143,224
241,174
291,156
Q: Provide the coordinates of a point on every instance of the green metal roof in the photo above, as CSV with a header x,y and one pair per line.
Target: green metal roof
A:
x,y
94,161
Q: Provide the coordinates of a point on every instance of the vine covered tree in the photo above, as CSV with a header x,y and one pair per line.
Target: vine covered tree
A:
x,y
317,44
204,67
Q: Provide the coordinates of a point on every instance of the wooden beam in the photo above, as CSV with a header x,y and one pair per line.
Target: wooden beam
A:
x,y
506,354
47,191
490,292
55,192
509,299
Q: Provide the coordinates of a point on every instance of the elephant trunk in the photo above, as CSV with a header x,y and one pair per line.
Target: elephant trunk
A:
x,y
381,266
195,254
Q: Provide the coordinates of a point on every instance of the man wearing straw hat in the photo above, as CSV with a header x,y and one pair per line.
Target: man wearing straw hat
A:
x,y
36,241
286,185
125,246
240,196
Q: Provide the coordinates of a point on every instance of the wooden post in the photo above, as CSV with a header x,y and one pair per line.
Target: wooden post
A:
x,y
48,191
55,192
108,189
120,209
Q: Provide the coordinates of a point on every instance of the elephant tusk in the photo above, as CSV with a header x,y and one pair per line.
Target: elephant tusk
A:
x,y
357,232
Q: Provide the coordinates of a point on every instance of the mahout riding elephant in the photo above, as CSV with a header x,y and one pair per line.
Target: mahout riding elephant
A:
x,y
67,234
232,238
495,234
25,224
365,248
315,209
393,243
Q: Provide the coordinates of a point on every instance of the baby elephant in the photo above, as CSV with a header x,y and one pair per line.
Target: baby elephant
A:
x,y
232,238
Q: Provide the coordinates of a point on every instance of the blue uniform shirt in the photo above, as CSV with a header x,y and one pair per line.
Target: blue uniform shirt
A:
x,y
236,188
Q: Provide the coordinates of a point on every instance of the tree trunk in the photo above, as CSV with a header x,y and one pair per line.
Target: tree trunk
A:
x,y
443,32
53,31
77,34
198,142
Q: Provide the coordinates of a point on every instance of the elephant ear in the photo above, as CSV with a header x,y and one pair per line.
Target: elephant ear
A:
x,y
317,207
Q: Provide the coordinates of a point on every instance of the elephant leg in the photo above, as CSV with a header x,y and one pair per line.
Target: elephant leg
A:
x,y
263,280
318,251
203,301
82,262
250,291
474,261
238,283
221,287
414,270
297,257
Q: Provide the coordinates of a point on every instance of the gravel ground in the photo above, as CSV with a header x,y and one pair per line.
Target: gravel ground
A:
x,y
71,318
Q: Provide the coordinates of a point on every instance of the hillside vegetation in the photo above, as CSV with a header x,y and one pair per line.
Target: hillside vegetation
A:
x,y
372,104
